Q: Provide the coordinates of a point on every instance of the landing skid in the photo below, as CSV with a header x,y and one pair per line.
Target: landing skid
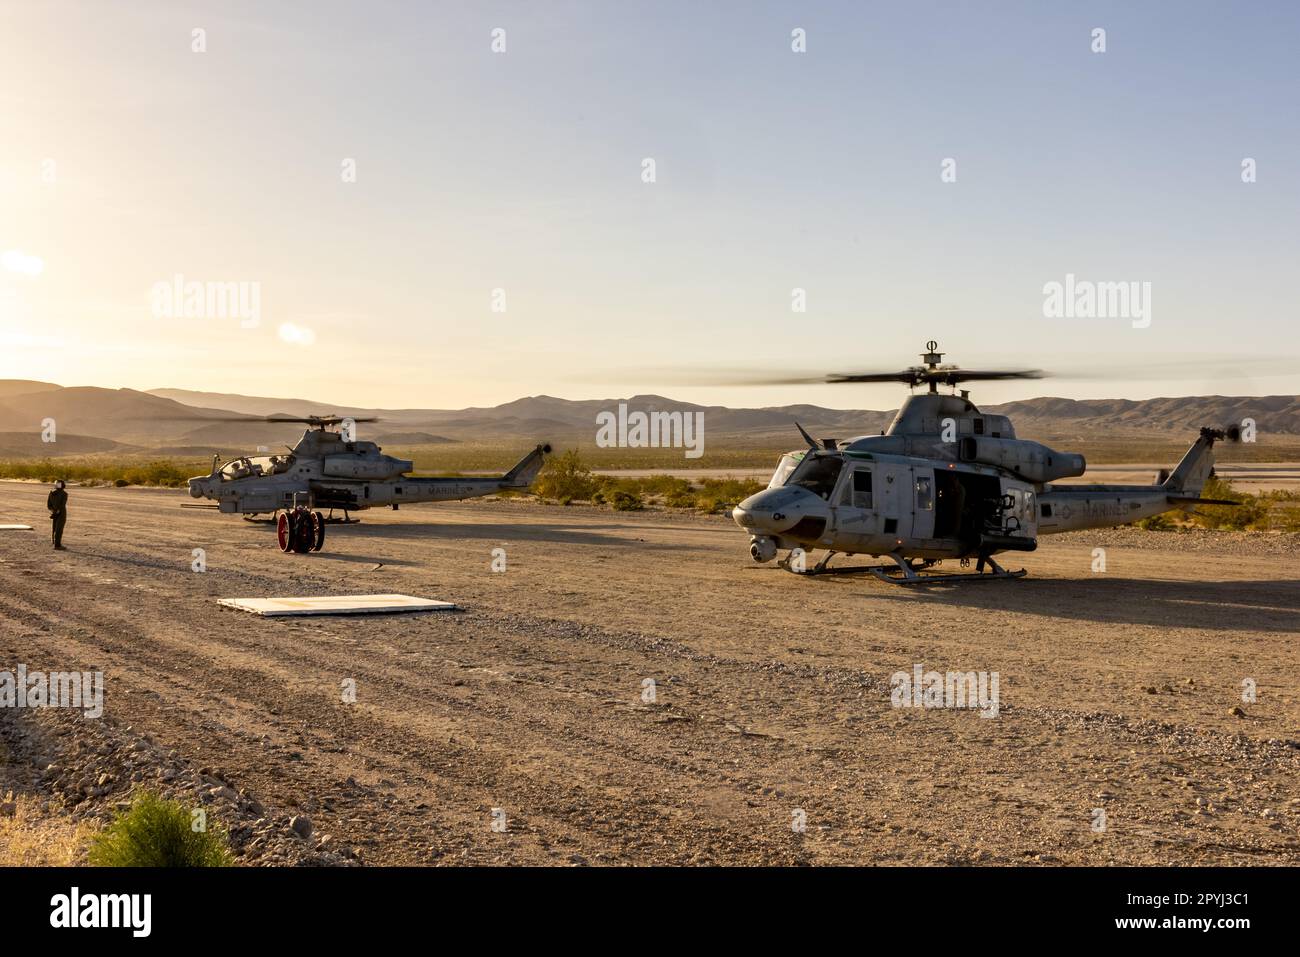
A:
x,y
903,573
908,572
821,568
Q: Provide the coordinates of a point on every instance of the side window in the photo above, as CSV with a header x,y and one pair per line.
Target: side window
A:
x,y
979,426
862,489
924,494
846,495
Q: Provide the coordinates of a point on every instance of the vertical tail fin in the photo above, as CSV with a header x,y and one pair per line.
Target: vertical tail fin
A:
x,y
526,470
1195,468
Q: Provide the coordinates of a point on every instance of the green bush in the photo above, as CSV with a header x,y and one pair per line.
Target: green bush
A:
x,y
565,478
722,495
1286,519
1156,523
118,472
624,501
155,832
1251,512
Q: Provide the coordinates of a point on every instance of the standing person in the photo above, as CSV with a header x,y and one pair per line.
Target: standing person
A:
x,y
57,503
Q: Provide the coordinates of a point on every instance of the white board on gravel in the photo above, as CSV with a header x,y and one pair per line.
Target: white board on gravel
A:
x,y
336,605
15,528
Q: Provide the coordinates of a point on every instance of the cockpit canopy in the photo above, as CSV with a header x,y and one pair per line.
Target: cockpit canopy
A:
x,y
788,464
815,471
258,465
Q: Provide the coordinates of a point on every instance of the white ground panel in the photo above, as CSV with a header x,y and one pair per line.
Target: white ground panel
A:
x,y
336,605
15,528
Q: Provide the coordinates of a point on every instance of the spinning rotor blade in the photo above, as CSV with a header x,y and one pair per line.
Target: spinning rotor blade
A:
x,y
319,419
1210,368
911,377
305,420
949,375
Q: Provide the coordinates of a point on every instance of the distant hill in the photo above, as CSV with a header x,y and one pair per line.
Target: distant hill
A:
x,y
251,404
25,445
412,438
122,415
1274,414
10,387
173,419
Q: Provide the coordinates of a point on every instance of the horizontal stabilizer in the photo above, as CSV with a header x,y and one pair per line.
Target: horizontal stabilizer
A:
x,y
1195,500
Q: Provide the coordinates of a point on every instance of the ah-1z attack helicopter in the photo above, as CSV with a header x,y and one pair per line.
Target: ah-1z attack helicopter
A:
x,y
945,481
329,469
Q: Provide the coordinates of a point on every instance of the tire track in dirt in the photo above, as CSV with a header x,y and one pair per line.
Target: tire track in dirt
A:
x,y
559,738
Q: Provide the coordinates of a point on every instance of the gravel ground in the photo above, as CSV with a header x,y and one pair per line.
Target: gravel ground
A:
x,y
521,729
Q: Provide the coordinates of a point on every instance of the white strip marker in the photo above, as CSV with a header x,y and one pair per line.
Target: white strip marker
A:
x,y
336,605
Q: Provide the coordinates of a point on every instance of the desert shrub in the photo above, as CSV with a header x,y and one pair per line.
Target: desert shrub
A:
x,y
1285,519
1156,523
1251,512
103,471
33,834
662,485
722,495
565,478
155,832
624,501
680,498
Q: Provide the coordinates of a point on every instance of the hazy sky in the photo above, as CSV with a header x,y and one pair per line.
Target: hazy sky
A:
x,y
127,159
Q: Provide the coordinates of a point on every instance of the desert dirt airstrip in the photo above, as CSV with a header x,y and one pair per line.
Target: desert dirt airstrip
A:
x,y
520,729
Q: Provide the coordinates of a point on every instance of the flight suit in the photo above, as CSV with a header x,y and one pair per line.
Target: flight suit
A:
x,y
57,503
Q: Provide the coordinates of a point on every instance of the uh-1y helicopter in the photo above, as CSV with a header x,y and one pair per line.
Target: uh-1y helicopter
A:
x,y
329,469
945,481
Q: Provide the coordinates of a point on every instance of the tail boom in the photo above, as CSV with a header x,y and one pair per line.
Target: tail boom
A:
x,y
1068,508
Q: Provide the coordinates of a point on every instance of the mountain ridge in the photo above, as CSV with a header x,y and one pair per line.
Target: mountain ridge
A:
x,y
179,418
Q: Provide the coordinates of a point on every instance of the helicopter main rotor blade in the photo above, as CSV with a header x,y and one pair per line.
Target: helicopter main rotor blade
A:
x,y
1210,368
289,419
917,375
983,375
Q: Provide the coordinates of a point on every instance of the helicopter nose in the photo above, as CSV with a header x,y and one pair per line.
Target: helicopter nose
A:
x,y
749,513
774,510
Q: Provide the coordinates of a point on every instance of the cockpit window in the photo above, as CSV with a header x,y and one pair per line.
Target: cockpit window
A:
x,y
784,468
256,465
817,473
